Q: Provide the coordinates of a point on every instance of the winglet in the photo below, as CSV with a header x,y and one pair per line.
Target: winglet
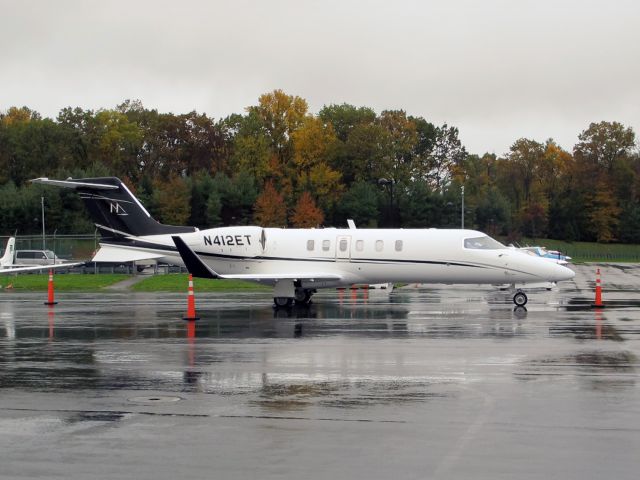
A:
x,y
194,264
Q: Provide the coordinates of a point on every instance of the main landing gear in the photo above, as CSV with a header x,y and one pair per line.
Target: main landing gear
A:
x,y
520,299
302,297
282,302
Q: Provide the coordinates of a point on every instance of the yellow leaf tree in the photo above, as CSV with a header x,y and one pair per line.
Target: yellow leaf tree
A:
x,y
313,144
280,115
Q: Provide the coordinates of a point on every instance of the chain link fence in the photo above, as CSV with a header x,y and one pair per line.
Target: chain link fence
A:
x,y
81,248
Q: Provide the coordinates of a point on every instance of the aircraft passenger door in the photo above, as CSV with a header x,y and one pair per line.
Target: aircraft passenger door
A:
x,y
343,248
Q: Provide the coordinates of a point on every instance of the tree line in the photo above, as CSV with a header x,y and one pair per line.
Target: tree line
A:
x,y
277,164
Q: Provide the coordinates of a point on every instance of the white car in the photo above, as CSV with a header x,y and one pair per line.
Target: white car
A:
x,y
36,257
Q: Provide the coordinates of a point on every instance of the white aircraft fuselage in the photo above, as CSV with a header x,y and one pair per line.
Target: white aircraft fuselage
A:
x,y
352,255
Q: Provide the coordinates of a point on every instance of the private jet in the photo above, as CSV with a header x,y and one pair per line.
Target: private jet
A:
x,y
551,255
298,262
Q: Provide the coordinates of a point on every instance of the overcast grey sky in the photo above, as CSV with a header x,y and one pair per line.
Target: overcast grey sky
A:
x,y
497,69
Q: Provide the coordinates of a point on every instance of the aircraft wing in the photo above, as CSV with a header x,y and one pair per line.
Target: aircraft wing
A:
x,y
35,268
122,254
198,268
283,276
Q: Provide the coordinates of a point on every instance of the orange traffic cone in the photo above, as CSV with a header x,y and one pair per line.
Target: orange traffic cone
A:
x,y
191,302
598,301
50,300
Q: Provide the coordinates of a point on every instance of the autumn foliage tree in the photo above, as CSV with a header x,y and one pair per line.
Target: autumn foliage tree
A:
x,y
386,168
171,200
306,214
604,213
270,209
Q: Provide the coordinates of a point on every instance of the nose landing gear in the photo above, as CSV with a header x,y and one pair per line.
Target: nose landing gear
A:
x,y
520,298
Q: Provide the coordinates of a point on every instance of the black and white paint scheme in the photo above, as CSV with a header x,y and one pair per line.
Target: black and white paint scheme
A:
x,y
297,262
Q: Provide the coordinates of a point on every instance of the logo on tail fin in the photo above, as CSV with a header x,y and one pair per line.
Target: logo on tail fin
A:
x,y
115,207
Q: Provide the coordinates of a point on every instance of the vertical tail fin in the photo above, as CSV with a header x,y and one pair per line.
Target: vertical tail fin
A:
x,y
115,211
9,252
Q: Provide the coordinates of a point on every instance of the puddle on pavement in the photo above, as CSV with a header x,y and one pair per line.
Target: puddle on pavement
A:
x,y
154,399
587,331
362,394
597,369
106,416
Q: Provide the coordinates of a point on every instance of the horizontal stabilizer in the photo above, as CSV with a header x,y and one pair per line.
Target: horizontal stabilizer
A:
x,y
74,184
114,209
117,254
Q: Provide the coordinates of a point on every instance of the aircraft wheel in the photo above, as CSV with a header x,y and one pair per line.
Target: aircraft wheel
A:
x,y
520,299
281,302
303,296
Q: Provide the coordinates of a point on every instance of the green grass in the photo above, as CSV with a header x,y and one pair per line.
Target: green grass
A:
x,y
179,282
62,282
588,251
155,283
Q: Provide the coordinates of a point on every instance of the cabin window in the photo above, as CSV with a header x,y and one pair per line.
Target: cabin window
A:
x,y
310,245
326,245
482,243
343,244
398,245
359,245
379,245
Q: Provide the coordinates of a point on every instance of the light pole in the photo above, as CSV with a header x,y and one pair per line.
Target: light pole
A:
x,y
462,192
44,242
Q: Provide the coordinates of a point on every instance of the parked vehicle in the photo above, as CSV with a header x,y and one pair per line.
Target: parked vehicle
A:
x,y
37,257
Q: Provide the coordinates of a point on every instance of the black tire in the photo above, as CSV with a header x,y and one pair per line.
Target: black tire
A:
x,y
282,302
302,296
520,299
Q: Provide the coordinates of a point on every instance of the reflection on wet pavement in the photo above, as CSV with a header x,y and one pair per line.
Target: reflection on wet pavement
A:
x,y
443,367
361,394
72,350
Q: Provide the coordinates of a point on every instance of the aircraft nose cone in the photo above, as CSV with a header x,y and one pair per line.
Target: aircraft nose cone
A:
x,y
562,273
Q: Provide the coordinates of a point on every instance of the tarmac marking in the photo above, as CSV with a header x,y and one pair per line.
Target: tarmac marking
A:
x,y
470,433
117,412
321,419
159,414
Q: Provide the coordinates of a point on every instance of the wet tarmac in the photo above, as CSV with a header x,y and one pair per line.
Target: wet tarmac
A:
x,y
444,382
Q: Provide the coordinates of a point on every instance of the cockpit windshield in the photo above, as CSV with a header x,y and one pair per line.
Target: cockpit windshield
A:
x,y
482,243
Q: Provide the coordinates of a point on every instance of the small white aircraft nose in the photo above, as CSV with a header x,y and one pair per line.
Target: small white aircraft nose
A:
x,y
561,273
